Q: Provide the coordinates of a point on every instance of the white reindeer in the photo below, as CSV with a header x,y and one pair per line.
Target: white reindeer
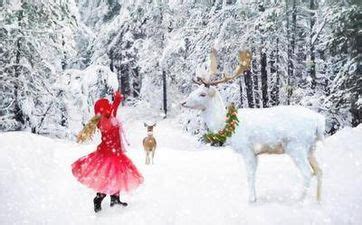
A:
x,y
292,130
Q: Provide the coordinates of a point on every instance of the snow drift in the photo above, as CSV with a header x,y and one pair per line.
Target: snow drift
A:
x,y
185,186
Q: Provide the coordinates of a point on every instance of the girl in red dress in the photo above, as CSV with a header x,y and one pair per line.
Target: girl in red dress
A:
x,y
107,170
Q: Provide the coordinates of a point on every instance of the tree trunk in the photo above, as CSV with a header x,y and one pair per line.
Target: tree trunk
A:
x,y
274,94
19,116
136,85
312,72
249,88
64,58
264,79
111,57
123,76
164,85
356,110
294,30
241,92
291,46
63,109
255,82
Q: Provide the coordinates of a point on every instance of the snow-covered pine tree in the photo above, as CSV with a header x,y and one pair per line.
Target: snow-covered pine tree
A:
x,y
36,40
343,100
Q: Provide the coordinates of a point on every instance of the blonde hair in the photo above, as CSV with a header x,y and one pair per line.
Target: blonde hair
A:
x,y
88,130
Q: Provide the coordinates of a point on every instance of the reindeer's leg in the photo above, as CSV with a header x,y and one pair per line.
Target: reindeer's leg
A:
x,y
299,156
251,162
318,172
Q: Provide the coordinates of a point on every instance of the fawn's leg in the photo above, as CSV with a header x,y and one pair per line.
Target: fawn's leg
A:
x,y
153,154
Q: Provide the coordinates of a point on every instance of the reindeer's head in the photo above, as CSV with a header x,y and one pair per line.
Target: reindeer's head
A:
x,y
201,98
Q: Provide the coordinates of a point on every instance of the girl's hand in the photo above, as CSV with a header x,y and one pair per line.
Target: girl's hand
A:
x,y
118,96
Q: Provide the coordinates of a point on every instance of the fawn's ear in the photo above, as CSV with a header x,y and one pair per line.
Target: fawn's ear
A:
x,y
154,124
144,124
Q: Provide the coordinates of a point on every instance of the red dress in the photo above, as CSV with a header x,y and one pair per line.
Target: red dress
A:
x,y
108,170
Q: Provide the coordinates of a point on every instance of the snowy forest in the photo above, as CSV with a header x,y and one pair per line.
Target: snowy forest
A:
x,y
232,112
57,57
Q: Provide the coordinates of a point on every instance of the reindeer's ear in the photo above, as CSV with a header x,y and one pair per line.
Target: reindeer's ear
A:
x,y
144,124
211,91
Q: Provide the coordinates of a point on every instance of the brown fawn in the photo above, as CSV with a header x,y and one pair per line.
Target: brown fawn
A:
x,y
149,143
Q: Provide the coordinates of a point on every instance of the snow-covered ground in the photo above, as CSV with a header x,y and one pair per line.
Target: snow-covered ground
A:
x,y
189,183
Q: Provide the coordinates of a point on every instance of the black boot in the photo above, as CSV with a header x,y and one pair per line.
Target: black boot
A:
x,y
98,201
115,201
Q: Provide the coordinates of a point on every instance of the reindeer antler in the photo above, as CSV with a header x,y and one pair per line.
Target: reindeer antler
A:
x,y
200,81
196,81
212,69
244,64
213,62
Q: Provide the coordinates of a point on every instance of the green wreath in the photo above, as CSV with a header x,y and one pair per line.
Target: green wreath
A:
x,y
220,137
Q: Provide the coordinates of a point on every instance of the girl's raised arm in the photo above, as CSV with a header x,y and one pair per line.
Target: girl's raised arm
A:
x,y
117,100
